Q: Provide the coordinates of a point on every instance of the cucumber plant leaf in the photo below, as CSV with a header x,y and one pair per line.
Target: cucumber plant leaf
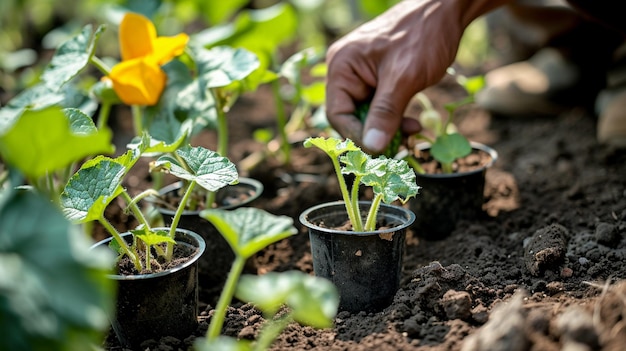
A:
x,y
64,295
332,146
222,65
43,141
449,147
393,179
208,168
248,230
312,300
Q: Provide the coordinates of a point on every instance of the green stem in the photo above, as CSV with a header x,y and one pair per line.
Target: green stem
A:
x,y
281,119
100,65
446,167
222,123
120,241
132,204
137,119
217,321
179,212
344,192
357,225
370,224
270,331
416,165
103,116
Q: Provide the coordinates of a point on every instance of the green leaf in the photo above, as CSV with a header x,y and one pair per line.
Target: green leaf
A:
x,y
210,170
42,141
165,141
394,179
448,147
54,290
90,190
80,123
222,343
333,147
223,65
314,93
37,97
313,301
248,230
219,11
358,163
153,238
292,68
71,57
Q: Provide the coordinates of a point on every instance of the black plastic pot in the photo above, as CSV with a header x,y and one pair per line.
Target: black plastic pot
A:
x,y
365,266
445,199
215,263
150,306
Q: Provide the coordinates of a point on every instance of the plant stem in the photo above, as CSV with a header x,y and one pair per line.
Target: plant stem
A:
x,y
222,123
132,204
446,167
103,116
344,192
100,65
217,321
416,165
179,212
281,119
370,224
357,225
120,241
137,119
270,331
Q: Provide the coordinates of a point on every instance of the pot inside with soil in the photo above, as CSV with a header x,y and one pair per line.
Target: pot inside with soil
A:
x,y
215,263
365,266
447,198
162,302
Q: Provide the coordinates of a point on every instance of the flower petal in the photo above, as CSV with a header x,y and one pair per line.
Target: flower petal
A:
x,y
137,35
166,48
138,81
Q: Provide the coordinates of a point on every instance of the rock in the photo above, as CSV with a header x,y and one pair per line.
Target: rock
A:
x,y
504,331
457,304
546,249
607,234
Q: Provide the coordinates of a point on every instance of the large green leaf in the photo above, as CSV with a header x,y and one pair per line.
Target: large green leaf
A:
x,y
220,11
208,168
54,290
80,123
223,65
313,301
248,230
42,141
71,57
449,147
96,184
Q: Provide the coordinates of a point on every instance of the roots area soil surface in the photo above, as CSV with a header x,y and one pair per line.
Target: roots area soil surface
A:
x,y
544,269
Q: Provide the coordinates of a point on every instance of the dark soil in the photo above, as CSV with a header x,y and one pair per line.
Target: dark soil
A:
x,y
543,270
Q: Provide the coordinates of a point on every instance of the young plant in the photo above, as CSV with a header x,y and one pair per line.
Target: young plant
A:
x,y
301,298
247,230
390,179
447,144
99,181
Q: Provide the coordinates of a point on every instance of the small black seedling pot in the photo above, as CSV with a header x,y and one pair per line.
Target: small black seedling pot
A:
x,y
150,306
365,266
445,199
218,257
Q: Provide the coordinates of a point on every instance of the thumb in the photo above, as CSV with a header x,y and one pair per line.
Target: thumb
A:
x,y
383,121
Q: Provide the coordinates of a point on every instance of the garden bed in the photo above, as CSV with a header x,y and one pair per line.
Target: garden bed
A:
x,y
539,271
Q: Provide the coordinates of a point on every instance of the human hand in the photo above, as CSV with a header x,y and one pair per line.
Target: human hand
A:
x,y
390,59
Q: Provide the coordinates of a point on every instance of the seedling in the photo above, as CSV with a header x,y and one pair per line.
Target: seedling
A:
x,y
447,144
390,179
299,297
247,230
99,181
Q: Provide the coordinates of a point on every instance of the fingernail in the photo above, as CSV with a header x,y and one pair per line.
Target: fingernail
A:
x,y
374,139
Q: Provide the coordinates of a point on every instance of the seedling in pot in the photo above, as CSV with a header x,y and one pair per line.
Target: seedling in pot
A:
x,y
447,144
390,179
300,297
99,181
247,230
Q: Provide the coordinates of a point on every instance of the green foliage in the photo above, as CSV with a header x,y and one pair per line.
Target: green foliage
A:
x,y
54,291
390,179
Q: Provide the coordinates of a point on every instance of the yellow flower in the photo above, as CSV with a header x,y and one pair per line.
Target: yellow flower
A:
x,y
138,79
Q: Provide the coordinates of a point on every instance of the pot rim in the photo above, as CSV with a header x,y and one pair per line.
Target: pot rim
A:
x,y
201,246
476,146
253,184
407,220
